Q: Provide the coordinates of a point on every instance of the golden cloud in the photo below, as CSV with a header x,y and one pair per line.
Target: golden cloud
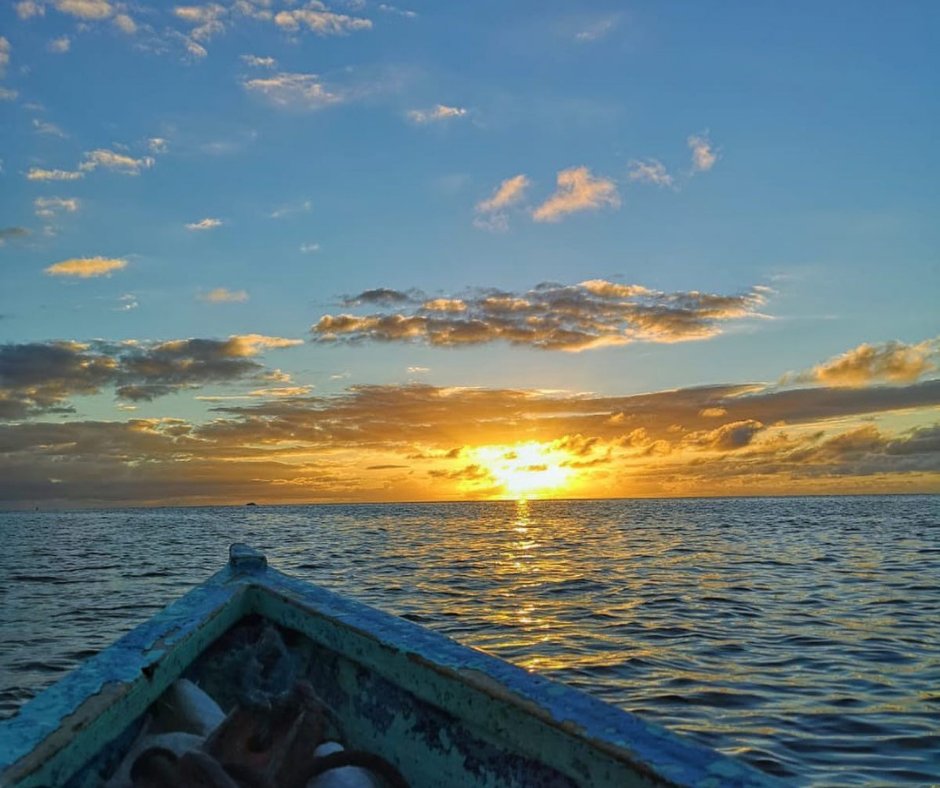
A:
x,y
893,362
222,295
86,267
578,190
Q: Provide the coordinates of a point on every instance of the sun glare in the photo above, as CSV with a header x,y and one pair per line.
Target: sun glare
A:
x,y
527,470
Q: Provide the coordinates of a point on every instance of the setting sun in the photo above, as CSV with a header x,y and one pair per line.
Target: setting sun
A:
x,y
527,470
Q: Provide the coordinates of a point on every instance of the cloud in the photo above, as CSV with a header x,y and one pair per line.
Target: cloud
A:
x,y
304,206
127,302
390,9
713,413
649,171
4,55
259,62
39,174
41,377
125,24
29,8
445,305
592,314
85,9
208,223
281,391
436,114
157,145
207,20
117,162
296,91
892,362
222,295
578,190
13,234
194,49
704,155
310,248
50,129
383,296
60,45
728,437
86,267
321,21
597,30
6,94
298,447
491,213
49,207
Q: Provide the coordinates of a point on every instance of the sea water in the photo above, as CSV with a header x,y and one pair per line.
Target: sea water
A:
x,y
799,634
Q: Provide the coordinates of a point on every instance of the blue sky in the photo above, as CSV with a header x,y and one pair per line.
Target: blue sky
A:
x,y
251,167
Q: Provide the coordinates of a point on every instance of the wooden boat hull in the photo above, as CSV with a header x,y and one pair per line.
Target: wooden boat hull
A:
x,y
442,713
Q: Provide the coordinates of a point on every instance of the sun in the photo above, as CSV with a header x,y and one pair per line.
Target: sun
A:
x,y
527,470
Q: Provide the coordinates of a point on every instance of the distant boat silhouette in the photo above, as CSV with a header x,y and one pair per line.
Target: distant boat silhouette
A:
x,y
251,503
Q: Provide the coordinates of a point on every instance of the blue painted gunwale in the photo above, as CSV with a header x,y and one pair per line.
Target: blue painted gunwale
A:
x,y
57,732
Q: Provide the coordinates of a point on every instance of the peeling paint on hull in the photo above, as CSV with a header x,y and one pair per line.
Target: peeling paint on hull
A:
x,y
443,713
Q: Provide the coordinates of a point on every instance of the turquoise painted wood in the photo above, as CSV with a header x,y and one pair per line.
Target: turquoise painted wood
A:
x,y
443,713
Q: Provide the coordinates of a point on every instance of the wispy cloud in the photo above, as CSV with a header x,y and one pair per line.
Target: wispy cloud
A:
x,y
595,313
310,248
304,206
259,62
597,29
50,129
578,190
436,114
116,162
649,171
222,295
491,212
158,145
40,174
318,19
49,207
208,223
86,267
295,91
704,155
391,9
127,302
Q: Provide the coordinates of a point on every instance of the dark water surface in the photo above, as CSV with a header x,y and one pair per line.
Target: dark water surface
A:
x,y
801,634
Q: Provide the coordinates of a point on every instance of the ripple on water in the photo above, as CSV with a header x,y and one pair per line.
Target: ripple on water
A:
x,y
798,634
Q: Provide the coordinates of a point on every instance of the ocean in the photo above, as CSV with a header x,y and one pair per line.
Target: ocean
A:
x,y
799,634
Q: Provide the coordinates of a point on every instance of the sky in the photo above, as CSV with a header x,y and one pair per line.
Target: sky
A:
x,y
288,251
